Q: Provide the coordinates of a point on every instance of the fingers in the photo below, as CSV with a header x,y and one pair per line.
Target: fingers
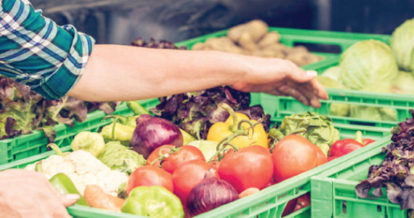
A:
x,y
310,93
69,199
299,75
302,76
320,90
291,91
288,91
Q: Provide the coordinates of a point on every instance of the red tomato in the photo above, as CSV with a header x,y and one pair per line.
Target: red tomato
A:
x,y
150,176
293,155
344,146
174,159
155,154
188,175
367,141
332,158
249,167
183,155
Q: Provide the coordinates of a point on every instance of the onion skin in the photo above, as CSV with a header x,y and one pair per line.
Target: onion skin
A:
x,y
210,193
152,132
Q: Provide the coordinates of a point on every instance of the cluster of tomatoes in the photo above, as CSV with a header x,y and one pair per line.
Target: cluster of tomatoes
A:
x,y
180,169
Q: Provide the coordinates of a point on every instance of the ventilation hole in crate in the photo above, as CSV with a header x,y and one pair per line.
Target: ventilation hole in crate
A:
x,y
379,208
344,207
335,49
362,123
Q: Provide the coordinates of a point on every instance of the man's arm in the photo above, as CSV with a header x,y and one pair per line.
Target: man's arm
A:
x,y
116,72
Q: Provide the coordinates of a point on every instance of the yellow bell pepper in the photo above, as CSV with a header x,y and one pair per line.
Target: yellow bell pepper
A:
x,y
237,130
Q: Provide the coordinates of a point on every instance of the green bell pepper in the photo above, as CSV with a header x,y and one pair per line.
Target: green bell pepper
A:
x,y
154,202
64,185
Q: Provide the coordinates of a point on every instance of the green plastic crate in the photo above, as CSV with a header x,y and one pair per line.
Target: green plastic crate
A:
x,y
283,106
333,192
35,143
270,202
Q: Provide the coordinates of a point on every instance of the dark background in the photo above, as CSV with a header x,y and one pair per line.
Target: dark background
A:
x,y
120,21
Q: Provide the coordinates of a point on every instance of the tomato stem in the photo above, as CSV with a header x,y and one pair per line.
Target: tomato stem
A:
x,y
161,157
221,146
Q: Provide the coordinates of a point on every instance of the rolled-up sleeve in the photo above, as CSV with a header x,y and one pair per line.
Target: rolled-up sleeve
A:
x,y
37,52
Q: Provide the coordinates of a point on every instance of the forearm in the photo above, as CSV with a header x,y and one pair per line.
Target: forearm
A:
x,y
116,72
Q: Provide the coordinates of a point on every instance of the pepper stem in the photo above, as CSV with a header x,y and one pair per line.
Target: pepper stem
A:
x,y
358,137
230,110
136,107
113,126
56,149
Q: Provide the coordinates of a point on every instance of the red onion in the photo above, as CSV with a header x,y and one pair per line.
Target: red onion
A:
x,y
152,132
210,193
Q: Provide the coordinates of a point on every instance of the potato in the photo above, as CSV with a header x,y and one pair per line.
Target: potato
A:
x,y
235,33
301,56
299,49
247,43
256,29
198,46
276,50
269,39
223,44
268,53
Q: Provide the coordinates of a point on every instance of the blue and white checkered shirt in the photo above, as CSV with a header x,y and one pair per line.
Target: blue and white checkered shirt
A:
x,y
37,52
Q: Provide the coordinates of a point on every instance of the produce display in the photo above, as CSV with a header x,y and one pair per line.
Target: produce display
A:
x,y
374,66
254,38
395,173
22,110
144,167
196,151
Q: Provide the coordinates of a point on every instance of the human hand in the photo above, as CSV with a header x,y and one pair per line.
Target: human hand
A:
x,y
281,77
29,194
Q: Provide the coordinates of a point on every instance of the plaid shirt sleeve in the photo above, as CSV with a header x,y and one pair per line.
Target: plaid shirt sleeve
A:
x,y
37,52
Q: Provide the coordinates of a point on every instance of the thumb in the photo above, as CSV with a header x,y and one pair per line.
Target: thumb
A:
x,y
301,76
69,199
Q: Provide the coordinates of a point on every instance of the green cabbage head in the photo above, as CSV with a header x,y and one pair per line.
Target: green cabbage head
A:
x,y
404,83
402,44
368,65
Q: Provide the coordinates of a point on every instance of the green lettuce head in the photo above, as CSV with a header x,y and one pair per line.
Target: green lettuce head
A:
x,y
402,44
332,72
404,83
368,65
